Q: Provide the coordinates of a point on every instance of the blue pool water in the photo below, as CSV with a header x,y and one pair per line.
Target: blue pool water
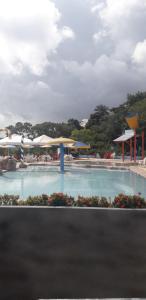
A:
x,y
36,180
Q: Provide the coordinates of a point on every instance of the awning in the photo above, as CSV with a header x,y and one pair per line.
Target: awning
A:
x,y
125,137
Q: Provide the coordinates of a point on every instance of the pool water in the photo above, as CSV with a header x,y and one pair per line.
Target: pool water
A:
x,y
37,180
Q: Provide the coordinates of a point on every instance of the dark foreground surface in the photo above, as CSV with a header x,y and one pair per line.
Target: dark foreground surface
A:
x,y
48,253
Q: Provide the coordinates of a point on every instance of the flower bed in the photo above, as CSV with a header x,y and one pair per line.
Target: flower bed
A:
x,y
124,201
60,199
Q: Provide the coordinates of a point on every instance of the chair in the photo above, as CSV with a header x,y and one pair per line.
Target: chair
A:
x,y
142,162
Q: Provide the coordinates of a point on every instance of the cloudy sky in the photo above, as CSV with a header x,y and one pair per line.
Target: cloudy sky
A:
x,y
61,58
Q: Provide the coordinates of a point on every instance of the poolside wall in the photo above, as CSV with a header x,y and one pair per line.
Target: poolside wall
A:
x,y
72,253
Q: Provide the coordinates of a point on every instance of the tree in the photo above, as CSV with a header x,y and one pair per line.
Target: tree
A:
x,y
83,135
100,114
74,124
104,125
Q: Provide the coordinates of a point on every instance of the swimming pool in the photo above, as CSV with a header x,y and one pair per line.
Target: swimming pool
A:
x,y
36,180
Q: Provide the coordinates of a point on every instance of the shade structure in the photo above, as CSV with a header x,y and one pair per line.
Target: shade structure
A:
x,y
27,146
16,140
78,145
128,134
46,146
7,146
61,142
41,140
26,142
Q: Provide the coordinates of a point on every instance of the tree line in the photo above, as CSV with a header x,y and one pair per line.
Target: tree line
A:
x,y
104,124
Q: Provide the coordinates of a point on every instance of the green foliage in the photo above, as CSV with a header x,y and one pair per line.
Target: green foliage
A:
x,y
48,128
100,114
83,135
94,201
36,201
134,99
107,124
73,124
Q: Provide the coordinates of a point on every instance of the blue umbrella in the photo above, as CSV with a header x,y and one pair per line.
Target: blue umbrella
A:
x,y
79,145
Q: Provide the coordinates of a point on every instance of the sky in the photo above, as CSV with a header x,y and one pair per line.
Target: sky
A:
x,y
59,59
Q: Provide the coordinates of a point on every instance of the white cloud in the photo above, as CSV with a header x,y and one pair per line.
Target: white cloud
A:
x,y
122,30
68,33
139,55
97,7
100,35
29,32
102,64
10,118
107,80
123,20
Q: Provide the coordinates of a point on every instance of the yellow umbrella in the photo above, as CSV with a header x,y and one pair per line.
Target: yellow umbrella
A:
x,y
60,140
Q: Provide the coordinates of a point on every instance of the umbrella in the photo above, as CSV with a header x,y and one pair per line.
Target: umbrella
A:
x,y
45,146
41,140
16,140
79,145
27,143
7,146
61,142
26,146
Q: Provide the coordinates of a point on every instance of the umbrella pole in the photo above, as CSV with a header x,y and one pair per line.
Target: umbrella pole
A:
x,y
62,158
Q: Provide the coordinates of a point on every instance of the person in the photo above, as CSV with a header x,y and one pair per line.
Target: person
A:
x,y
37,156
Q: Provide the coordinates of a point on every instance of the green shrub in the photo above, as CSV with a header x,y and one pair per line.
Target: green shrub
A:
x,y
125,201
8,199
94,201
104,202
36,201
60,199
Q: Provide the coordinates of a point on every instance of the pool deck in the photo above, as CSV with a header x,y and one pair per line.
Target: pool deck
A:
x,y
139,170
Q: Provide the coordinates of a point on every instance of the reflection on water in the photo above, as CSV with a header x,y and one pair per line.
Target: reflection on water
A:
x,y
62,183
75,181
